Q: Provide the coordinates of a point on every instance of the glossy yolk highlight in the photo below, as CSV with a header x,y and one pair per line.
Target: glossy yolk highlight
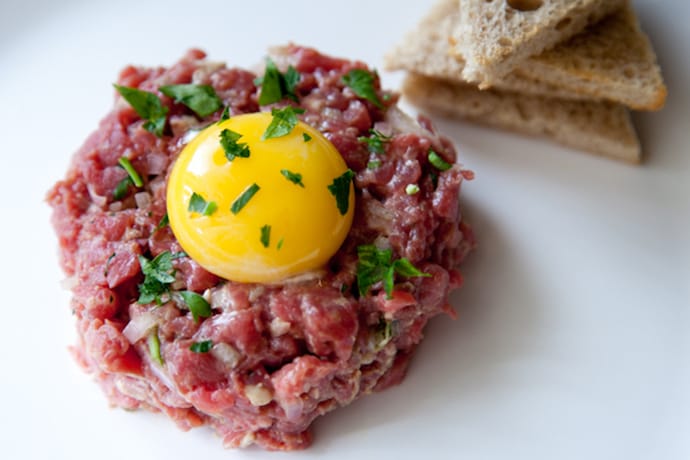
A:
x,y
305,227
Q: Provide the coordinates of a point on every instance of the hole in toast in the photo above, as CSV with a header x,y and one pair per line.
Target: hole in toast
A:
x,y
563,23
525,5
505,41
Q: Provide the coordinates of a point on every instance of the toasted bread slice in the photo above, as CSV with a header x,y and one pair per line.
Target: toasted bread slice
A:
x,y
611,60
427,50
602,128
494,36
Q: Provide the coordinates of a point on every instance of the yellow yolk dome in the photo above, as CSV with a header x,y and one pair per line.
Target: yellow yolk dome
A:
x,y
282,210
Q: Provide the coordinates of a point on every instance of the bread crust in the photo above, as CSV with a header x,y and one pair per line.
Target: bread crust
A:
x,y
612,60
602,128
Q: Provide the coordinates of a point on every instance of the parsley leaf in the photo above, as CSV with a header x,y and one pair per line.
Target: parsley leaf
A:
x,y
202,347
122,188
225,115
165,220
275,86
199,307
434,179
202,99
283,122
242,200
158,275
198,204
375,265
375,141
438,162
306,137
340,189
362,83
148,106
412,189
133,174
233,149
265,235
295,178
291,79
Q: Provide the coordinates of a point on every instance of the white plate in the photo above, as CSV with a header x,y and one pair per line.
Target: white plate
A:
x,y
572,337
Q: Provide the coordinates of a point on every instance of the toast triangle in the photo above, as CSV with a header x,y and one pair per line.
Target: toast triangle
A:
x,y
602,128
610,60
494,36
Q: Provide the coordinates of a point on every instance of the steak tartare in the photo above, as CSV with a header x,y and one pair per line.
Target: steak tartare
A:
x,y
266,359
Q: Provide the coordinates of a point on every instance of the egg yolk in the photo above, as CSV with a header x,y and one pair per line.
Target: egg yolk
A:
x,y
263,217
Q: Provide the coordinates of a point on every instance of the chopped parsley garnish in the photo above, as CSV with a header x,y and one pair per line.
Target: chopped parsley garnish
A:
x,y
158,276
265,235
280,244
306,137
202,347
199,307
201,99
375,141
242,200
375,265
233,149
434,179
275,86
133,174
283,122
412,189
148,106
198,204
340,189
373,164
107,264
295,178
438,162
362,83
225,115
165,220
122,188
154,344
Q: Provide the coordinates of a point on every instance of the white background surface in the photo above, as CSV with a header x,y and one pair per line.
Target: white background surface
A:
x,y
573,336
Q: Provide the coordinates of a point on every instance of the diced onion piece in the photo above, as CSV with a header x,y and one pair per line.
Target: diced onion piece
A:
x,y
278,327
98,200
258,395
293,409
115,206
139,327
226,354
401,122
156,164
247,440
143,200
134,388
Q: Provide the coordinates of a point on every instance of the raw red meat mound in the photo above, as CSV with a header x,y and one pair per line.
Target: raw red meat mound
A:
x,y
282,354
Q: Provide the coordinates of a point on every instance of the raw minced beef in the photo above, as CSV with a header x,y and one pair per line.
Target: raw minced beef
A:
x,y
282,354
